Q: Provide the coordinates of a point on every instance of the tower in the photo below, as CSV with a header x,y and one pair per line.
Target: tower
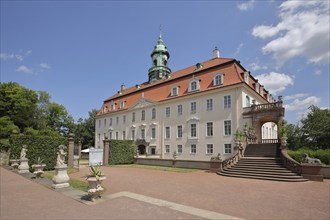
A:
x,y
159,57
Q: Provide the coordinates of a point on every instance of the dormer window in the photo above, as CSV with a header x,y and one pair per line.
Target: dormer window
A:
x,y
194,85
122,104
246,77
218,79
174,91
112,106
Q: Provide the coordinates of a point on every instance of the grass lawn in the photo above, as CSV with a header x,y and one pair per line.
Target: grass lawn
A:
x,y
77,184
171,169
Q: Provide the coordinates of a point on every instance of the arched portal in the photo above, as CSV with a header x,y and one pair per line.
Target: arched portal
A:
x,y
141,149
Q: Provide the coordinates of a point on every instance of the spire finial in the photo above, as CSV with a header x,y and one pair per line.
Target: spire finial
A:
x,y
160,30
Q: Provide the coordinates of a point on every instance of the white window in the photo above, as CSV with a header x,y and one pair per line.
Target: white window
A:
x,y
167,132
179,131
143,115
193,148
209,104
227,101
174,91
247,101
217,80
179,148
209,129
193,85
167,149
153,133
133,116
193,107
112,106
133,135
209,148
153,113
124,119
124,135
110,121
167,111
246,77
117,120
179,109
99,123
122,104
227,148
117,135
105,122
110,135
193,130
227,127
143,133
99,138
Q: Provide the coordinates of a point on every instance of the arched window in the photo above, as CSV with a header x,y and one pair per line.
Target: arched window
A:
x,y
217,80
247,101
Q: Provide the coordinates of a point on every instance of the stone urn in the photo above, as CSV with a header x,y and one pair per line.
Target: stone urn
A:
x,y
38,169
94,187
14,163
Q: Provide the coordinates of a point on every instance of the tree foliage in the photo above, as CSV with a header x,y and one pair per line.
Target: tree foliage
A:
x,y
313,132
18,103
85,129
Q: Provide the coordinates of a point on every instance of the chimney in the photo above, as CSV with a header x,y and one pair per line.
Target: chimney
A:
x,y
122,87
216,53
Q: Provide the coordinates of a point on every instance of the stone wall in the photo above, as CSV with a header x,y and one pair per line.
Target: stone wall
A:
x,y
203,165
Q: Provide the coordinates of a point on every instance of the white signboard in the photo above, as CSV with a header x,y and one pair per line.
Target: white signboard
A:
x,y
95,156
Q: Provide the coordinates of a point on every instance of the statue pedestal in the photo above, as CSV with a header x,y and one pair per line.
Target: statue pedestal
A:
x,y
24,166
61,178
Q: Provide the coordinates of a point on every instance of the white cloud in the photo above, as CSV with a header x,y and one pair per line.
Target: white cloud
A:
x,y
317,72
24,69
44,66
275,82
19,56
257,66
299,104
296,96
303,31
246,5
238,49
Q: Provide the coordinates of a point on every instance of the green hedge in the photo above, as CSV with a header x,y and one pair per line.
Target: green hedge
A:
x,y
323,155
41,146
121,152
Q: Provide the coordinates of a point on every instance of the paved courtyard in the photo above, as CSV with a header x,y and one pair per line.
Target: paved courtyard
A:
x,y
135,193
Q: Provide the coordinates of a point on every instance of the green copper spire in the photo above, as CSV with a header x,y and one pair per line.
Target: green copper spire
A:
x,y
159,56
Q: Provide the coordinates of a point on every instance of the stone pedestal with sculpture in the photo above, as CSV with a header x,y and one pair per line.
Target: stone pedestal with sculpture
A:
x,y
61,178
24,162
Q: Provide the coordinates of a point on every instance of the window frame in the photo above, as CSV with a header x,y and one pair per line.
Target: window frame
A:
x,y
193,107
179,132
180,110
177,148
167,132
227,149
209,130
216,81
209,104
191,148
207,148
167,148
227,102
225,128
167,112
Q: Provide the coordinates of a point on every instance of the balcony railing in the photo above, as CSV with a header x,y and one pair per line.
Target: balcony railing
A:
x,y
270,141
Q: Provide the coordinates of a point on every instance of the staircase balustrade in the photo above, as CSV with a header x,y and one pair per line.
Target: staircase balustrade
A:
x,y
270,141
229,162
289,162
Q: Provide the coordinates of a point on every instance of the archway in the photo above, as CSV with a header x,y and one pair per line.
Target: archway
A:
x,y
141,149
269,132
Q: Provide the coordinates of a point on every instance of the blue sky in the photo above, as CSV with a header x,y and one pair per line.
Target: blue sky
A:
x,y
80,52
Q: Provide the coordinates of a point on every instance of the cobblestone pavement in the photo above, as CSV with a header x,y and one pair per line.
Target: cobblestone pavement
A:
x,y
135,193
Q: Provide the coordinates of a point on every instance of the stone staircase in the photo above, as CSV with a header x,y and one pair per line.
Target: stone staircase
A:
x,y
261,163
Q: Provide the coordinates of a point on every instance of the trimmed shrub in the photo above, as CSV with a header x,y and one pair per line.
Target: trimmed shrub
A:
x,y
323,155
42,146
121,152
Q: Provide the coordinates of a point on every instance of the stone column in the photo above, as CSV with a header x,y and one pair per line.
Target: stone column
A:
x,y
71,150
106,146
79,149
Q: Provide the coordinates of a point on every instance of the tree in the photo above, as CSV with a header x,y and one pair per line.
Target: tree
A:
x,y
18,103
58,119
85,129
295,137
41,111
316,128
6,127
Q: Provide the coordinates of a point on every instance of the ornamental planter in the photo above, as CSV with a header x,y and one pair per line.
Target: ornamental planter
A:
x,y
38,169
94,187
14,163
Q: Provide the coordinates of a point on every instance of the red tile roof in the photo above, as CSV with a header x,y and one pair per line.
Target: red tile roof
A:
x,y
161,90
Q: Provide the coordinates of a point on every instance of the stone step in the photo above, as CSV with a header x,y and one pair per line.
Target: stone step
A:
x,y
264,177
258,162
256,169
273,174
261,171
260,165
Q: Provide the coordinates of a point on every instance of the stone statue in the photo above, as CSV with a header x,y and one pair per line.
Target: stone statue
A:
x,y
23,152
218,157
61,156
311,160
